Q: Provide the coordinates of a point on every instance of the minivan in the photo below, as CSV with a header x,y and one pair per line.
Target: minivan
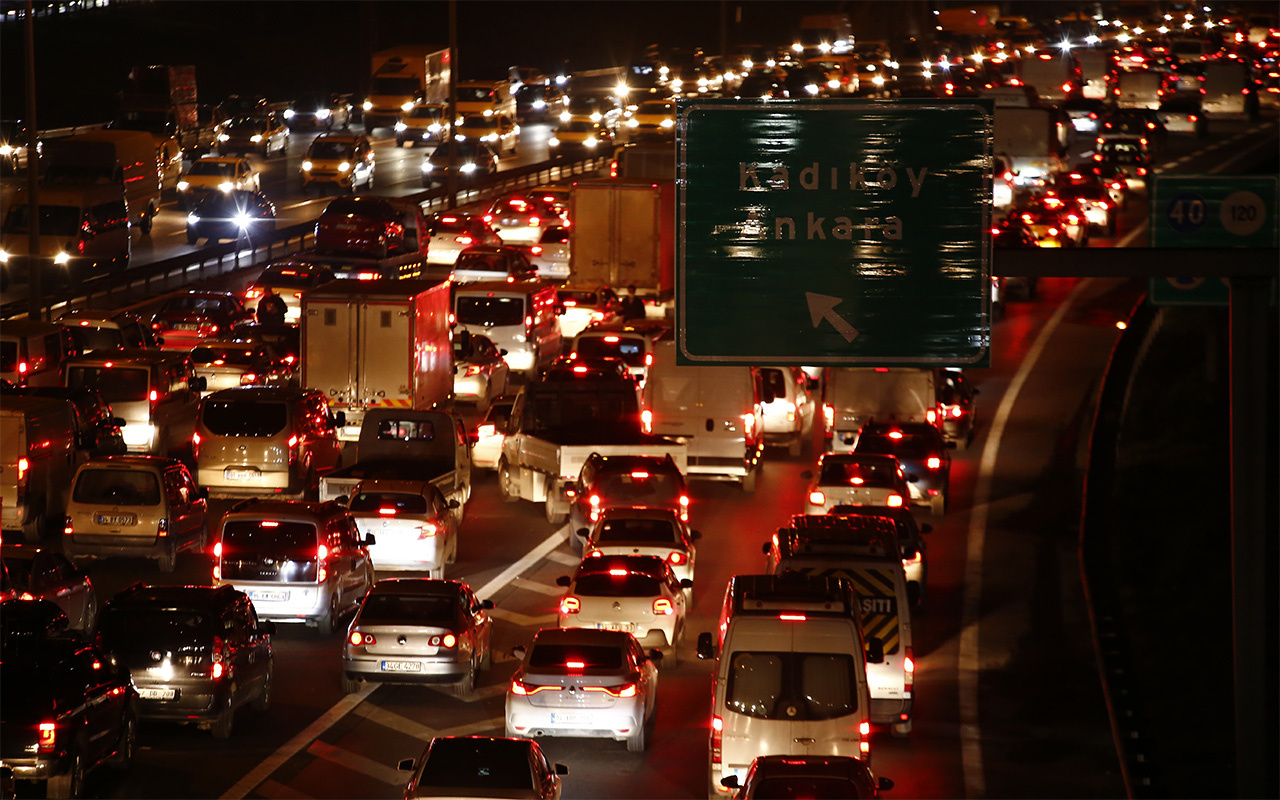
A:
x,y
154,391
791,674
715,411
32,353
518,317
264,440
40,453
83,229
298,562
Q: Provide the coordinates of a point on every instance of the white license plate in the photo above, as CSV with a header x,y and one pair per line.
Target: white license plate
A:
x,y
401,666
242,474
185,326
629,627
117,519
269,597
569,718
157,694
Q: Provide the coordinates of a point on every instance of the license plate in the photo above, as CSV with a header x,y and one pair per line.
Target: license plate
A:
x,y
185,326
117,519
242,474
269,597
401,666
565,718
157,694
629,627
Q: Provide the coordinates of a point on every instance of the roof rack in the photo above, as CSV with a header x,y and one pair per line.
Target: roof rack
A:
x,y
794,592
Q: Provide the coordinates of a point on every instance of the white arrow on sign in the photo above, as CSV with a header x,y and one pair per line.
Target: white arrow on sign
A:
x,y
822,306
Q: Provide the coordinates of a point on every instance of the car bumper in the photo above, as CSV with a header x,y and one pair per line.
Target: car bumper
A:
x,y
471,388
430,669
285,602
116,546
243,481
321,176
189,704
887,711
659,636
37,768
425,555
617,722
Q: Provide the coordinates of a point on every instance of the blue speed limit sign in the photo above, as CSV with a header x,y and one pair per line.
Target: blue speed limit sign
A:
x,y
1187,212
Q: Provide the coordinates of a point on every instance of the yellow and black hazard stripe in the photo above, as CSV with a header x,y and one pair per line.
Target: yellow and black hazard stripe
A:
x,y
877,600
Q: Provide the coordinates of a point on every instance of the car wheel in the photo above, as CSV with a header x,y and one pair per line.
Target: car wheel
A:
x,y
486,663
168,561
327,624
467,686
263,701
145,223
350,685
33,530
553,516
68,784
749,481
505,487
227,719
123,758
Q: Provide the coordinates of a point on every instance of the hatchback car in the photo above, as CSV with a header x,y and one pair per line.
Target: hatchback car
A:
x,y
453,232
288,279
625,481
842,777
235,215
197,654
637,594
212,174
420,631
100,430
851,479
480,766
93,331
924,455
129,506
1125,159
1095,203
474,159
787,418
341,160
481,374
956,400
319,110
492,264
521,217
645,532
415,526
1055,223
422,124
584,683
226,364
259,133
38,573
630,341
185,319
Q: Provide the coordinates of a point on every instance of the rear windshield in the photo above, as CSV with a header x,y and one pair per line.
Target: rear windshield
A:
x,y
478,764
486,262
229,356
639,486
244,417
907,447
441,225
89,339
409,609
839,472
117,384
156,627
555,235
629,350
494,311
632,584
124,487
647,531
792,686
396,502
553,656
269,536
8,356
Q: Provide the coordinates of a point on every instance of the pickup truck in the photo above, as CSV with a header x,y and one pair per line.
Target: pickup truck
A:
x,y
558,421
405,444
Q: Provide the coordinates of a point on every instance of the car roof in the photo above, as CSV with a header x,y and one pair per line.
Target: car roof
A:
x,y
639,512
142,594
419,586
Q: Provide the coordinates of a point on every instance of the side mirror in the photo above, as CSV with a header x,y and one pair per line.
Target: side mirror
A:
x,y
729,781
685,583
267,628
807,474
561,769
452,504
370,540
695,535
198,384
583,533
913,478
884,784
704,646
975,391
655,655
875,650
342,500
486,604
503,352
563,580
405,765
518,652
926,528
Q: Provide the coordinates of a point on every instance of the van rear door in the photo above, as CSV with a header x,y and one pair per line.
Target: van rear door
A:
x,y
328,361
385,360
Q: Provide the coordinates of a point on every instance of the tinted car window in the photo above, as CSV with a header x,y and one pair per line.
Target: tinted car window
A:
x,y
89,338
630,351
796,786
117,384
651,487
490,310
482,764
648,531
630,585
269,536
841,472
117,487
8,356
795,686
907,447
399,503
155,626
417,609
244,417
560,655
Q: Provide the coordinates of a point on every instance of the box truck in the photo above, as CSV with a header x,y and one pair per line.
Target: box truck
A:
x,y
402,77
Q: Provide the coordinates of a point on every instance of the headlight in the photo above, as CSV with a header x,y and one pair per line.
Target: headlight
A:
x,y
400,126
553,142
344,166
367,105
833,84
321,114
184,185
288,113
811,88
222,137
406,106
590,141
257,137
468,167
226,186
564,116
4,257
676,84
306,166
6,150
242,221
667,123
461,137
192,219
595,116
434,127
489,137
427,166
878,80
61,258
633,123
539,104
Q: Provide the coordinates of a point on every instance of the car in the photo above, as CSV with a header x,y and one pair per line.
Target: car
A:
x,y
521,217
492,263
422,124
536,101
922,452
14,139
1113,177
97,425
852,479
419,631
637,594
482,766
486,442
647,532
186,319
260,133
495,130
579,138
655,119
843,777
592,106
583,307
480,373
787,407
238,214
454,231
1012,234
585,682
211,174
1095,202
1142,125
1084,113
956,406
319,110
626,481
413,525
198,654
1184,115
288,279
550,255
1126,160
284,338
912,546
341,160
630,341
39,573
135,331
760,82
474,159
1055,223
93,331
227,363
66,708
557,197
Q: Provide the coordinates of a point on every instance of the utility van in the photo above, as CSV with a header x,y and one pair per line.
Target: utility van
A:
x,y
1139,89
791,675
84,232
864,550
855,396
714,411
32,353
40,456
787,419
519,317
485,98
1228,90
156,393
123,159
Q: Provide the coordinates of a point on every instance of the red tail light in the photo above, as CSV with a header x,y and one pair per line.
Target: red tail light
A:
x,y
570,605
252,293
534,222
864,739
646,421
1066,88
894,501
817,498
67,528
357,638
23,466
524,689
717,739
662,607
957,412
908,672
931,415
676,558
427,530
217,657
153,396
22,365
293,449
487,430
47,737
628,690
322,569
448,641
217,550
472,369
792,617
1142,170
248,379
162,529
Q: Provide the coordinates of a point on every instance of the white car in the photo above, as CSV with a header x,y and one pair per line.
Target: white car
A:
x,y
857,479
413,526
486,446
550,255
648,532
584,683
217,174
636,594
521,218
453,232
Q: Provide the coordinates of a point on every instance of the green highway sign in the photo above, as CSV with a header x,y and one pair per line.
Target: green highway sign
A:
x,y
1219,211
833,232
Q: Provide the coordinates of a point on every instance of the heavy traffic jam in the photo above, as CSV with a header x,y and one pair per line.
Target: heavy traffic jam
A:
x,y
425,503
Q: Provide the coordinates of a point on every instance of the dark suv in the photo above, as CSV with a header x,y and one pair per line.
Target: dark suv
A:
x,y
924,455
66,708
624,482
197,653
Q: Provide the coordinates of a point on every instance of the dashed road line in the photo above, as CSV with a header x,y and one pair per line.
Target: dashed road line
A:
x,y
483,693
396,722
523,620
356,762
535,586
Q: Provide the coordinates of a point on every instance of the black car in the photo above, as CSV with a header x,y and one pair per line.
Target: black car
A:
x,y
475,159
231,215
283,338
956,395
319,110
454,765
197,653
537,102
97,425
924,455
807,776
66,707
628,482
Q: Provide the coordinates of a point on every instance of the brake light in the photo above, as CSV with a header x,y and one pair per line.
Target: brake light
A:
x,y
162,529
648,359
749,421
426,531
618,573
448,641
1066,88
575,664
894,501
217,657
67,528
676,558
522,689
47,737
22,368
817,498
717,738
828,415
908,672
662,607
322,556
570,605
387,511
594,554
536,250
464,240
628,690
153,396
293,448
357,638
957,412
646,421
895,435
864,738
533,222
486,430
217,550
248,379
1192,118
792,617
23,466
1142,170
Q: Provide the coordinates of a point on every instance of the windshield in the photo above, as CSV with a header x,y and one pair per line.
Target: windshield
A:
x,y
409,609
425,112
218,169
630,351
493,311
389,503
474,94
54,220
792,686
125,487
334,150
395,86
656,107
244,417
645,531
117,384
150,121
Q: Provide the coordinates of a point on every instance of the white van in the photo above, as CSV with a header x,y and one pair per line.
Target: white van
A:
x,y
1228,90
84,230
715,411
1095,70
32,352
518,317
1139,89
155,391
854,396
864,550
126,160
791,675
41,454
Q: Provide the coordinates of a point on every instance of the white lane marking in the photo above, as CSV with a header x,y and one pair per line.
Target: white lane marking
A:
x,y
274,790
535,586
568,559
357,763
1241,154
295,745
303,204
1133,234
1200,152
394,721
495,723
523,620
970,662
530,558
